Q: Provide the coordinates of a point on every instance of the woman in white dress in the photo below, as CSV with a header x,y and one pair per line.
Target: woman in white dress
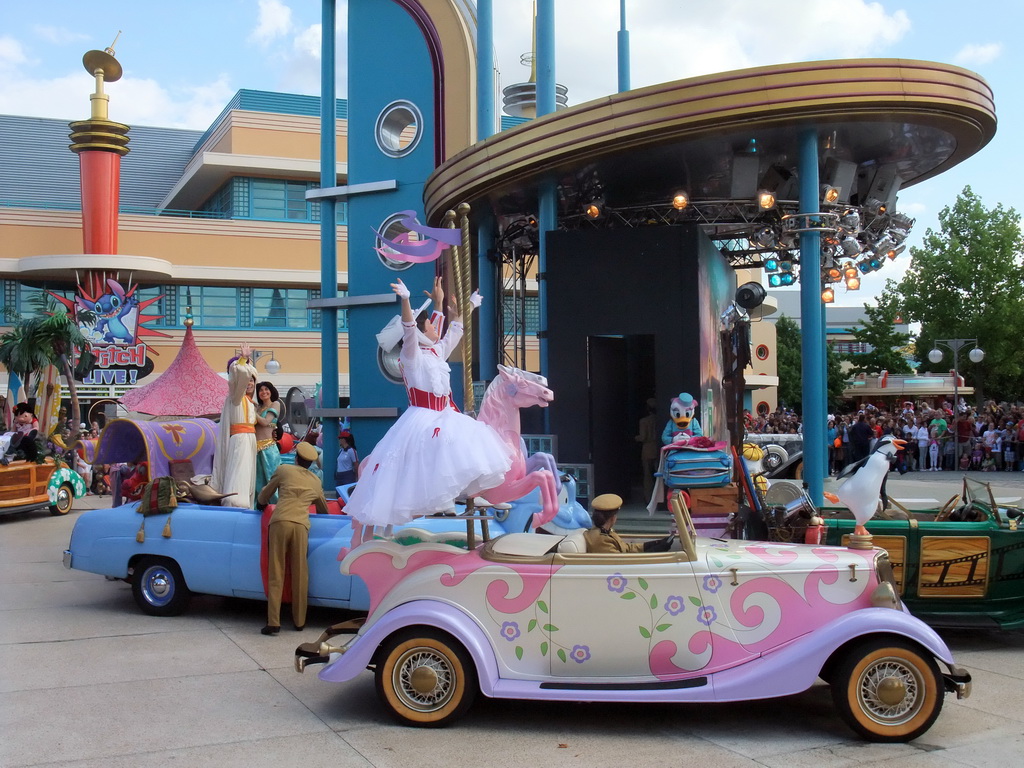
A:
x,y
433,453
234,463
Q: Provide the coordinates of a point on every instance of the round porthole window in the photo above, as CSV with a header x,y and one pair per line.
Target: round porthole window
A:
x,y
761,352
389,364
763,409
399,128
392,228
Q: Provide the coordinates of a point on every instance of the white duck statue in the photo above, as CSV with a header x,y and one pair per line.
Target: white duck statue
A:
x,y
862,489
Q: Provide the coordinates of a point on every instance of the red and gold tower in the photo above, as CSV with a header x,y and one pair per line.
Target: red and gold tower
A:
x,y
100,143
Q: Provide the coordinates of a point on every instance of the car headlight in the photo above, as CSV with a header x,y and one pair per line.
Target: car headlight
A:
x,y
887,593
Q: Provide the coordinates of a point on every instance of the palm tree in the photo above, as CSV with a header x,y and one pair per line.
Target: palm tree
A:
x,y
49,337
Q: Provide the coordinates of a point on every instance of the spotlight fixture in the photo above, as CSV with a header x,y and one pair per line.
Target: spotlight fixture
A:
x,y
765,237
850,219
786,266
680,200
592,210
765,200
832,274
828,296
853,283
849,270
829,195
893,253
885,244
875,206
864,265
772,265
850,246
902,221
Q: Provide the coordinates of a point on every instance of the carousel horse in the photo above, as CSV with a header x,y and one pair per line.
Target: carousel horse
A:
x,y
511,390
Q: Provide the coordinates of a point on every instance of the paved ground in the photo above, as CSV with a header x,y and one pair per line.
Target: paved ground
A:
x,y
87,680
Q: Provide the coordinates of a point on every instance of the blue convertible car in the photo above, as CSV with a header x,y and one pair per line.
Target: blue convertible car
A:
x,y
218,550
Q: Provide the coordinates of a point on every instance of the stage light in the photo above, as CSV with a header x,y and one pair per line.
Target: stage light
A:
x,y
771,265
894,252
592,210
833,274
864,265
875,262
850,219
786,266
765,237
902,221
680,200
849,270
765,200
852,283
884,245
850,246
828,296
875,206
788,278
829,195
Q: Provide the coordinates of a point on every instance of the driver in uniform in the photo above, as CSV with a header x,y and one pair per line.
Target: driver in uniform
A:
x,y
603,539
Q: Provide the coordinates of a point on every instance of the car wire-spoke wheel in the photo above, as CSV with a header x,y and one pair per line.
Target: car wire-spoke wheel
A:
x,y
426,680
888,690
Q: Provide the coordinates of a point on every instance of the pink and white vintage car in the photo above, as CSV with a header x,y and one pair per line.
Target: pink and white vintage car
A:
x,y
530,616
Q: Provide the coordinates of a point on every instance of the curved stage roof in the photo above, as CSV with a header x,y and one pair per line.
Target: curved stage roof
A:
x,y
912,119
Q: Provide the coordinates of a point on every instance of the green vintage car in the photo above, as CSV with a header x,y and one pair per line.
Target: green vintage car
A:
x,y
957,566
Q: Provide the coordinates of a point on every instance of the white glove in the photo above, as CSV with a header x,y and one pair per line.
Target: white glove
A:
x,y
476,299
400,289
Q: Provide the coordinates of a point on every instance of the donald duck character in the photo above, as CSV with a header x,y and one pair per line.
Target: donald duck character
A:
x,y
682,425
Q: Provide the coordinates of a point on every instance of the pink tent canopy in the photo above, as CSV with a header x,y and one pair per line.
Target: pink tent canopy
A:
x,y
189,387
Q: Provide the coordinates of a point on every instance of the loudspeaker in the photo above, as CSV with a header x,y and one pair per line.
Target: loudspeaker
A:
x,y
750,295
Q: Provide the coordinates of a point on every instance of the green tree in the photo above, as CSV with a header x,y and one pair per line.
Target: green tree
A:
x,y
47,337
885,343
966,282
789,356
789,362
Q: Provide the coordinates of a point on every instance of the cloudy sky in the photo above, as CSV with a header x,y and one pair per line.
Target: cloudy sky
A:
x,y
183,61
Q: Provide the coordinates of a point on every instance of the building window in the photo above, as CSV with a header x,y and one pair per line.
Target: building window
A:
x,y
280,308
271,199
212,306
762,352
531,315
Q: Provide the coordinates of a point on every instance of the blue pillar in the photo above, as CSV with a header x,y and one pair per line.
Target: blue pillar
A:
x,y
487,316
487,270
623,40
547,204
545,62
328,239
485,103
812,336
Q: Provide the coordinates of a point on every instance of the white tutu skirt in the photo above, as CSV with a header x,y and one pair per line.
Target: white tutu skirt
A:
x,y
426,460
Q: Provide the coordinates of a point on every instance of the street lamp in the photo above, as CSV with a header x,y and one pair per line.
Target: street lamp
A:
x,y
272,365
976,355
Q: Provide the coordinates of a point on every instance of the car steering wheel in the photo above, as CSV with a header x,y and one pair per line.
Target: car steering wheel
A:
x,y
947,509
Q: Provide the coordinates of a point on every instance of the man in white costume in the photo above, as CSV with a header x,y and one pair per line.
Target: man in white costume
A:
x,y
234,463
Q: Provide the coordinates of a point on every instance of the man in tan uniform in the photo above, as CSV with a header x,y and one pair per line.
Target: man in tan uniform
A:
x,y
602,539
288,533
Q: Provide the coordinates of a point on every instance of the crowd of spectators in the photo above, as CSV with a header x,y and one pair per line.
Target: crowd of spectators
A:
x,y
987,438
